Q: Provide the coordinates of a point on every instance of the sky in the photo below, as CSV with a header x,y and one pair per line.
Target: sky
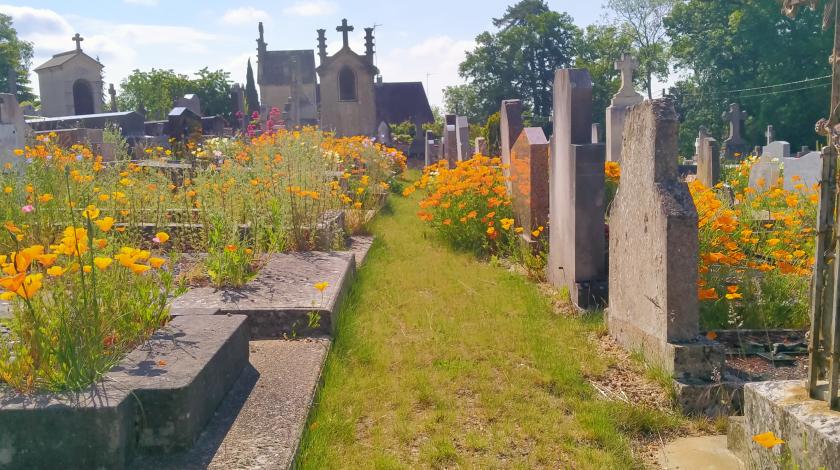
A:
x,y
415,41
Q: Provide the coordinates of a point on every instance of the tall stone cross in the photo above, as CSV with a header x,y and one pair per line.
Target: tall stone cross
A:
x,y
735,116
344,29
78,39
627,65
770,134
113,93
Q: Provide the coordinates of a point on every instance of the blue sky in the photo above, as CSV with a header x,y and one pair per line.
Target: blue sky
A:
x,y
414,38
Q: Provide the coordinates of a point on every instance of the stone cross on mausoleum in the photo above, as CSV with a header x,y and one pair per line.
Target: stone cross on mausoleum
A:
x,y
78,39
627,65
344,29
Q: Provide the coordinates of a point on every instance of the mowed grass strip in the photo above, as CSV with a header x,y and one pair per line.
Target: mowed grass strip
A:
x,y
442,361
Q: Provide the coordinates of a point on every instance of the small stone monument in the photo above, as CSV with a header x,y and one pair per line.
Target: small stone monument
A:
x,y
383,134
596,133
576,251
430,150
183,124
450,145
510,125
191,102
112,92
529,173
770,134
653,304
462,138
13,129
805,171
735,147
708,159
481,146
617,111
765,173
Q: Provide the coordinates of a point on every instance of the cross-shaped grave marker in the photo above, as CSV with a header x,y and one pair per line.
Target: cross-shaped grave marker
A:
x,y
345,30
627,65
770,134
735,116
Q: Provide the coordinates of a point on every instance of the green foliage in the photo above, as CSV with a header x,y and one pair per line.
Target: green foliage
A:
x,y
158,89
14,54
437,126
252,99
736,45
494,134
597,52
643,22
462,100
111,135
519,60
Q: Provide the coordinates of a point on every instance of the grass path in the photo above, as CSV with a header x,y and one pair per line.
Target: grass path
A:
x,y
441,361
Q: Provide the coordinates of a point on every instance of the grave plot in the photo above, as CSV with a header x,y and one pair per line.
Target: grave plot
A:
x,y
131,290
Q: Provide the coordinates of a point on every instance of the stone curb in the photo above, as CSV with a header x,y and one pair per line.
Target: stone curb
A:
x,y
157,399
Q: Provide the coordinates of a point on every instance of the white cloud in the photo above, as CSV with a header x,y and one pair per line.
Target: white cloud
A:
x,y
438,56
311,8
145,3
245,16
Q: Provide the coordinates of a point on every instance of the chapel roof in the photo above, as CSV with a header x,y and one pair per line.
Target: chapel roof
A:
x,y
403,101
62,58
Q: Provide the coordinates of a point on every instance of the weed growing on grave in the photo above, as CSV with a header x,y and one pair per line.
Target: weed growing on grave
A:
x,y
756,252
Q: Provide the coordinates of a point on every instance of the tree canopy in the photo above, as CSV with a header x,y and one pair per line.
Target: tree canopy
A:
x,y
157,90
15,55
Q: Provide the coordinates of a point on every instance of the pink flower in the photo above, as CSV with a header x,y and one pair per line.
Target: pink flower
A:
x,y
27,208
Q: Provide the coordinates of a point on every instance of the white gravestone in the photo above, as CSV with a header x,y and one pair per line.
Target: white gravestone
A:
x,y
805,170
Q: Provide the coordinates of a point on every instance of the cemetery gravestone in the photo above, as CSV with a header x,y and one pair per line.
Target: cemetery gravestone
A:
x,y
183,124
617,111
510,125
450,145
237,100
576,255
770,134
383,133
653,275
529,177
708,160
431,151
481,146
112,92
462,137
765,173
191,102
213,126
735,147
805,171
131,123
13,129
596,133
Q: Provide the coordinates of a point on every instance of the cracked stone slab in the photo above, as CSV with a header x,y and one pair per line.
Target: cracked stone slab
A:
x,y
260,423
360,247
282,300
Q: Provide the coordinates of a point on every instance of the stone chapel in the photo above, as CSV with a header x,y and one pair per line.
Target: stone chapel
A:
x,y
70,83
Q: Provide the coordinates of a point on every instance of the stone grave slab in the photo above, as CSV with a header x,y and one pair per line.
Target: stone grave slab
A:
x,y
213,126
481,146
156,400
805,170
279,300
510,125
529,168
450,145
735,147
776,149
708,160
13,129
130,123
653,274
182,124
431,150
576,252
462,138
765,173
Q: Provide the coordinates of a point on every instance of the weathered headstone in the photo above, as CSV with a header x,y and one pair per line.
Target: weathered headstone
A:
x,y
708,159
653,304
481,146
237,101
770,134
213,126
112,92
803,150
182,124
13,129
596,133
383,134
431,151
462,138
191,102
735,147
576,253
131,123
529,175
777,149
450,145
805,171
510,125
617,111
